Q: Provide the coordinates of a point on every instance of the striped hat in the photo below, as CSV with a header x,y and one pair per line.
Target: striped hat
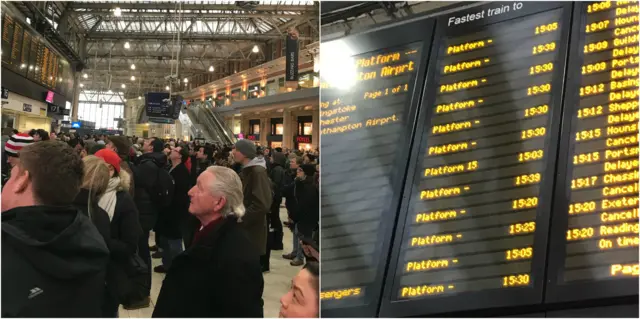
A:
x,y
16,143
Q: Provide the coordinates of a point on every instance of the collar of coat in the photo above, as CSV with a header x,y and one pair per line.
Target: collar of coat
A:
x,y
204,248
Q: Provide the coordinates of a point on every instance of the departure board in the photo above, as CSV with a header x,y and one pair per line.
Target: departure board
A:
x,y
26,54
366,116
475,230
595,225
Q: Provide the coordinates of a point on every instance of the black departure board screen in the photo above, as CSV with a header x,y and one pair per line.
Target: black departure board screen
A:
x,y
595,226
474,234
367,110
25,53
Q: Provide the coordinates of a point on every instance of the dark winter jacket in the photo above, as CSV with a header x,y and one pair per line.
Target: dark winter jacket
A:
x,y
308,206
218,276
288,194
256,188
145,176
122,234
173,216
53,263
98,216
277,174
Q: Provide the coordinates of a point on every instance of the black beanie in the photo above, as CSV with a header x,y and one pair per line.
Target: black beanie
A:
x,y
157,144
308,169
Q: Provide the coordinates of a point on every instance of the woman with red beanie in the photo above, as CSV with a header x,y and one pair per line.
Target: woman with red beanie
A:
x,y
125,227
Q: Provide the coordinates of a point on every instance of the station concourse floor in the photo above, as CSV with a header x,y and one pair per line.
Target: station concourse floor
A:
x,y
276,282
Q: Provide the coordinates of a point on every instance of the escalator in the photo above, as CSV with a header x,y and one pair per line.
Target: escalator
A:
x,y
210,124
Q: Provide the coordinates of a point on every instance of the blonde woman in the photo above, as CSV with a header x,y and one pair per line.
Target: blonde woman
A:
x,y
94,184
125,229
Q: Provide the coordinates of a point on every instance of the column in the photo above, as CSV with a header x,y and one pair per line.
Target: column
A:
x,y
76,97
287,134
265,130
315,129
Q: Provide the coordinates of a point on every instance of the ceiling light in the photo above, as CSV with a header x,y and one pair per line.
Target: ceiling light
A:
x,y
36,68
31,67
133,78
133,66
126,45
85,75
211,68
124,100
255,49
123,86
117,12
166,88
81,85
139,97
50,78
110,92
186,80
22,66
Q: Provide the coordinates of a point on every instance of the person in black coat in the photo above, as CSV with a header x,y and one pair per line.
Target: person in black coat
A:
x,y
54,259
124,227
173,218
278,180
219,275
145,176
307,204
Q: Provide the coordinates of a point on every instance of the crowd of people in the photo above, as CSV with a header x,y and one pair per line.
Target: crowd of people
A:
x,y
78,211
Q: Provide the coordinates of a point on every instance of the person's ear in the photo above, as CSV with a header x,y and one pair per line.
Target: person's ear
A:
x,y
220,204
22,181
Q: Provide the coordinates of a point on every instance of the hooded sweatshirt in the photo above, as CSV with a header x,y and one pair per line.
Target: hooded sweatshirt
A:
x,y
54,263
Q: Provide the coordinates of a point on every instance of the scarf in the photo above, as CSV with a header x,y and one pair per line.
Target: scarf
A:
x,y
108,200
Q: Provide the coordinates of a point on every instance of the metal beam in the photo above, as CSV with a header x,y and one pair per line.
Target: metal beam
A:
x,y
95,26
192,37
205,16
142,56
185,6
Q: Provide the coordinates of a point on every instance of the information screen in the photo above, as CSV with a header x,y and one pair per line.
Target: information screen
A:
x,y
158,105
25,54
478,214
598,225
361,132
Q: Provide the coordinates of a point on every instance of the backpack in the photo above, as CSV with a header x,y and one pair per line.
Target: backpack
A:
x,y
162,190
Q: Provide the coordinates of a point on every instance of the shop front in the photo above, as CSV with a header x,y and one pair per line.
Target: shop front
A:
x,y
254,130
277,131
23,113
303,142
304,138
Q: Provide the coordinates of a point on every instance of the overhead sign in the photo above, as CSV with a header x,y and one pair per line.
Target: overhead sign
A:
x,y
292,57
158,105
26,107
76,124
5,93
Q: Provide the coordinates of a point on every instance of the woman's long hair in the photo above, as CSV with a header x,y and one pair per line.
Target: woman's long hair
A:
x,y
96,178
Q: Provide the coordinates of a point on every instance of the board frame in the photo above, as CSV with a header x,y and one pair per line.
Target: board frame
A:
x,y
396,35
556,293
482,300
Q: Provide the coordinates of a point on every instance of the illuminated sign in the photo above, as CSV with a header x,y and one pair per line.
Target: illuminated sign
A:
x,y
597,211
479,197
303,139
76,124
252,137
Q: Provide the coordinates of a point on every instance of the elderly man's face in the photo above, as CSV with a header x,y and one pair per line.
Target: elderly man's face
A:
x,y
202,201
302,299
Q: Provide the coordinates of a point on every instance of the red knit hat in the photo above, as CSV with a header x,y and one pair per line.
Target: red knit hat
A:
x,y
110,157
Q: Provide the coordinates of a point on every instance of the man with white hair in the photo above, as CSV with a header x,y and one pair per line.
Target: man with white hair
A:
x,y
219,275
